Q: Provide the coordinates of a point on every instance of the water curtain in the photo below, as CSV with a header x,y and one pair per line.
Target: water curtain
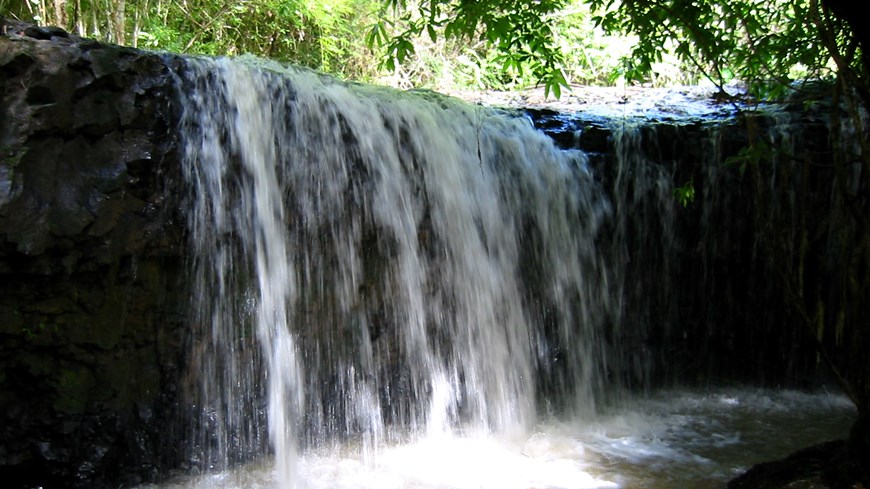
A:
x,y
373,266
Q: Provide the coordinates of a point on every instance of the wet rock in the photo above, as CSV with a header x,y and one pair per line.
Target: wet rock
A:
x,y
90,337
830,465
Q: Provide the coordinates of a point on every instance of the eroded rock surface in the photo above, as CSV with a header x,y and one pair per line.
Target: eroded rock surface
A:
x,y
89,258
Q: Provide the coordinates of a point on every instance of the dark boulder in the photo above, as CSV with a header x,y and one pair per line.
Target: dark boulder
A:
x,y
831,465
90,248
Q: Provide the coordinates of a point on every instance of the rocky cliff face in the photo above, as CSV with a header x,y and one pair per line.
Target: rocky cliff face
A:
x,y
697,270
90,253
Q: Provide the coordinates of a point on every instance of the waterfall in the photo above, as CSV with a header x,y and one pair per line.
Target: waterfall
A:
x,y
642,243
371,266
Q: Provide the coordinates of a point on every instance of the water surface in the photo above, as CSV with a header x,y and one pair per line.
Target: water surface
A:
x,y
686,439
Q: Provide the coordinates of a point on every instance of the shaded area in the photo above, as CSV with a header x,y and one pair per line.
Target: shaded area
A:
x,y
92,314
829,465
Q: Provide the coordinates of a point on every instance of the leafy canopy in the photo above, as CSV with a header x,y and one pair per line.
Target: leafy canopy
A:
x,y
765,43
522,32
321,34
487,44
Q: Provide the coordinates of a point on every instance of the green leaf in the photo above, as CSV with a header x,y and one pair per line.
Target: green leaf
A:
x,y
685,193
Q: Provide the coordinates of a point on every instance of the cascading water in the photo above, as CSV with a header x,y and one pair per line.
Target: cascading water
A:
x,y
376,267
396,290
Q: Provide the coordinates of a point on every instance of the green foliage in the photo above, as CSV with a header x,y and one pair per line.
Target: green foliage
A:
x,y
753,154
319,35
521,32
485,44
324,35
764,43
591,57
444,53
685,193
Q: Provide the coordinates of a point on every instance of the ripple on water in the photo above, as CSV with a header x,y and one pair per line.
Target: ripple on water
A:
x,y
673,439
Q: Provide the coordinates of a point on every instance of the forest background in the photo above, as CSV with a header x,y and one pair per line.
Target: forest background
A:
x,y
351,39
450,45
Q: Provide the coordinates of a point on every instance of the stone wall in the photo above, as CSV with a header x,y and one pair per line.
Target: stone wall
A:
x,y
716,286
765,265
91,315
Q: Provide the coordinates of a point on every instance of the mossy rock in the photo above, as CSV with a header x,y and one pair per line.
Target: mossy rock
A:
x,y
75,389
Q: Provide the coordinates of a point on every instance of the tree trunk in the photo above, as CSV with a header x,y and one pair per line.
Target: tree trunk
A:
x,y
60,16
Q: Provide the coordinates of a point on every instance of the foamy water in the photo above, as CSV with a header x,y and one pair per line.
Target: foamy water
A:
x,y
387,287
672,439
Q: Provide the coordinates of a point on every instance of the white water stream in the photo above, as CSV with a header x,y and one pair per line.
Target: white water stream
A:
x,y
395,292
676,439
